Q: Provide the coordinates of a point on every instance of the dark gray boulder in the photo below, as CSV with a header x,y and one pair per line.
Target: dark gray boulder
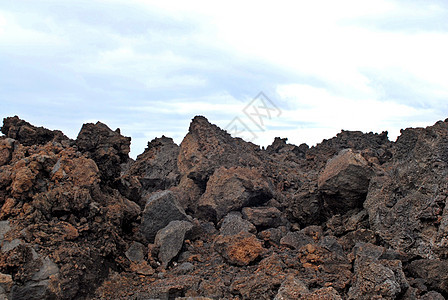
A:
x,y
170,240
161,208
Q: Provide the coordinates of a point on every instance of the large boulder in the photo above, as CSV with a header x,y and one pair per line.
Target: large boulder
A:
x,y
231,190
345,181
161,208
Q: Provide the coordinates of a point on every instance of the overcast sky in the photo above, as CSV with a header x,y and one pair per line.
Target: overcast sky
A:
x,y
149,67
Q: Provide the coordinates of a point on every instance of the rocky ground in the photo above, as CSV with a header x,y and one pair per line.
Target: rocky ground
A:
x,y
355,217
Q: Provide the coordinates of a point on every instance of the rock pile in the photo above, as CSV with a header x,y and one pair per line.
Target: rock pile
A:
x,y
355,217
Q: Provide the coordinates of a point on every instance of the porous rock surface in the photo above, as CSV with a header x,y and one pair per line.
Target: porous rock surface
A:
x,y
354,217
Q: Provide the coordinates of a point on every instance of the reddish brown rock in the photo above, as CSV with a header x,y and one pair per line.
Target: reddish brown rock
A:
x,y
240,249
29,135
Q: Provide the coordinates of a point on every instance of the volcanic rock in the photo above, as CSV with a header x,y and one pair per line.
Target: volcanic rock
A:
x,y
239,249
233,223
354,217
263,217
407,203
232,189
345,181
161,208
29,135
170,240
156,168
107,148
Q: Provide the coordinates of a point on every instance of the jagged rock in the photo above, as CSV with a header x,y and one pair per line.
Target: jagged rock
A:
x,y
432,295
279,145
170,240
306,207
263,217
6,149
233,223
263,282
273,236
136,252
293,288
375,276
29,135
48,268
205,149
345,181
407,202
232,189
32,291
107,148
433,272
239,249
161,208
295,240
156,168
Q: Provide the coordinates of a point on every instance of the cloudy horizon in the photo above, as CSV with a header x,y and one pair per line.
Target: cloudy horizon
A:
x,y
149,67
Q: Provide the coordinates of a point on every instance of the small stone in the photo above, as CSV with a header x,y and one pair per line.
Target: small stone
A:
x,y
263,217
233,223
240,249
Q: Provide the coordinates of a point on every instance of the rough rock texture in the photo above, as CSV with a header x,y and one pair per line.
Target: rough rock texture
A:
x,y
161,208
263,217
29,135
345,181
107,148
354,217
406,203
233,223
239,249
231,190
155,169
170,239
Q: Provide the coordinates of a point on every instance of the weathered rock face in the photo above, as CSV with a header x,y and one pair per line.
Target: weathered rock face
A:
x,y
376,276
407,202
231,190
355,217
205,149
64,231
156,168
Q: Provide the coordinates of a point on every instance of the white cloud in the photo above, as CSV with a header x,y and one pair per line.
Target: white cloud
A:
x,y
355,65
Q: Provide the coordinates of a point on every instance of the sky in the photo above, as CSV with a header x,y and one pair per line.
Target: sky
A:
x,y
304,70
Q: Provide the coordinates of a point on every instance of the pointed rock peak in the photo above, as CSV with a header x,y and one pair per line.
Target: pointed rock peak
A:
x,y
200,125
